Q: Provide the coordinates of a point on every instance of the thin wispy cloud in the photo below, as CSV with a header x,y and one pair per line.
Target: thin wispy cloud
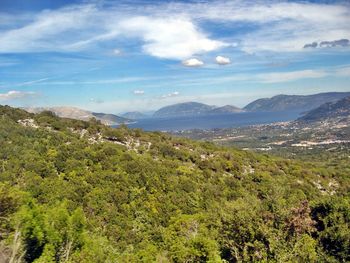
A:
x,y
95,100
172,30
16,94
49,81
31,82
277,77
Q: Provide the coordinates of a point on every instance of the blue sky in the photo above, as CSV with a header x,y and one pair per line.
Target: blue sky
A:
x,y
116,56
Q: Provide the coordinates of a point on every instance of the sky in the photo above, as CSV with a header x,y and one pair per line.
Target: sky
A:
x,y
118,56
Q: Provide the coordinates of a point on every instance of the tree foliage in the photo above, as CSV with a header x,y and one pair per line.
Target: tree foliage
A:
x,y
73,191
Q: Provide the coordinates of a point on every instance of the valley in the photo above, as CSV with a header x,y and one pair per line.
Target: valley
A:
x,y
287,139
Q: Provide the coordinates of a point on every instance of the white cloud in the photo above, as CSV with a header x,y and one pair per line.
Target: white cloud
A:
x,y
176,30
222,60
170,95
192,62
15,94
278,26
139,92
173,38
44,33
79,27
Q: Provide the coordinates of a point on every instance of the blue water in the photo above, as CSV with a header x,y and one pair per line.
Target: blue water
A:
x,y
213,121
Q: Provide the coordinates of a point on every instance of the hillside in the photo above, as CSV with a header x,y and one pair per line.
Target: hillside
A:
x,y
76,191
80,114
328,110
298,103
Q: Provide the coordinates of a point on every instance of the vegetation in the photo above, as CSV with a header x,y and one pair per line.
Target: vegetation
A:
x,y
75,191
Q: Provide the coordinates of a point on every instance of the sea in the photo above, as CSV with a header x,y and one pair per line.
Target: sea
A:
x,y
206,122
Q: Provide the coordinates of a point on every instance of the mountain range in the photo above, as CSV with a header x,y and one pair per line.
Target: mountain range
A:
x,y
80,114
299,103
134,115
193,109
183,109
328,110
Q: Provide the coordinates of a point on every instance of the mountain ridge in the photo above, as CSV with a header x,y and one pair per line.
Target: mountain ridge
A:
x,y
340,108
300,103
193,109
133,115
226,110
80,114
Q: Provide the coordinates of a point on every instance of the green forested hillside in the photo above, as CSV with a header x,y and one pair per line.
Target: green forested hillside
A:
x,y
74,191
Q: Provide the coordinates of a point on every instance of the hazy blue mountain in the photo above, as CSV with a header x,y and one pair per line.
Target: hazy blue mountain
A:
x,y
294,102
225,110
183,109
134,115
328,110
193,109
110,119
80,114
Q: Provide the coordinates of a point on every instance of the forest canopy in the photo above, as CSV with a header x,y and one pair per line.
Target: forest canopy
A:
x,y
75,191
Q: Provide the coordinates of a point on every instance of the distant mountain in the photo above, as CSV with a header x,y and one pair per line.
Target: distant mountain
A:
x,y
328,110
183,109
299,103
110,119
134,115
192,109
225,109
80,114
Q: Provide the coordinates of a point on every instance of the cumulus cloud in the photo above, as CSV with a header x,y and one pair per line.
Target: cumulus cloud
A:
x,y
169,95
15,94
173,38
139,92
222,60
192,62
